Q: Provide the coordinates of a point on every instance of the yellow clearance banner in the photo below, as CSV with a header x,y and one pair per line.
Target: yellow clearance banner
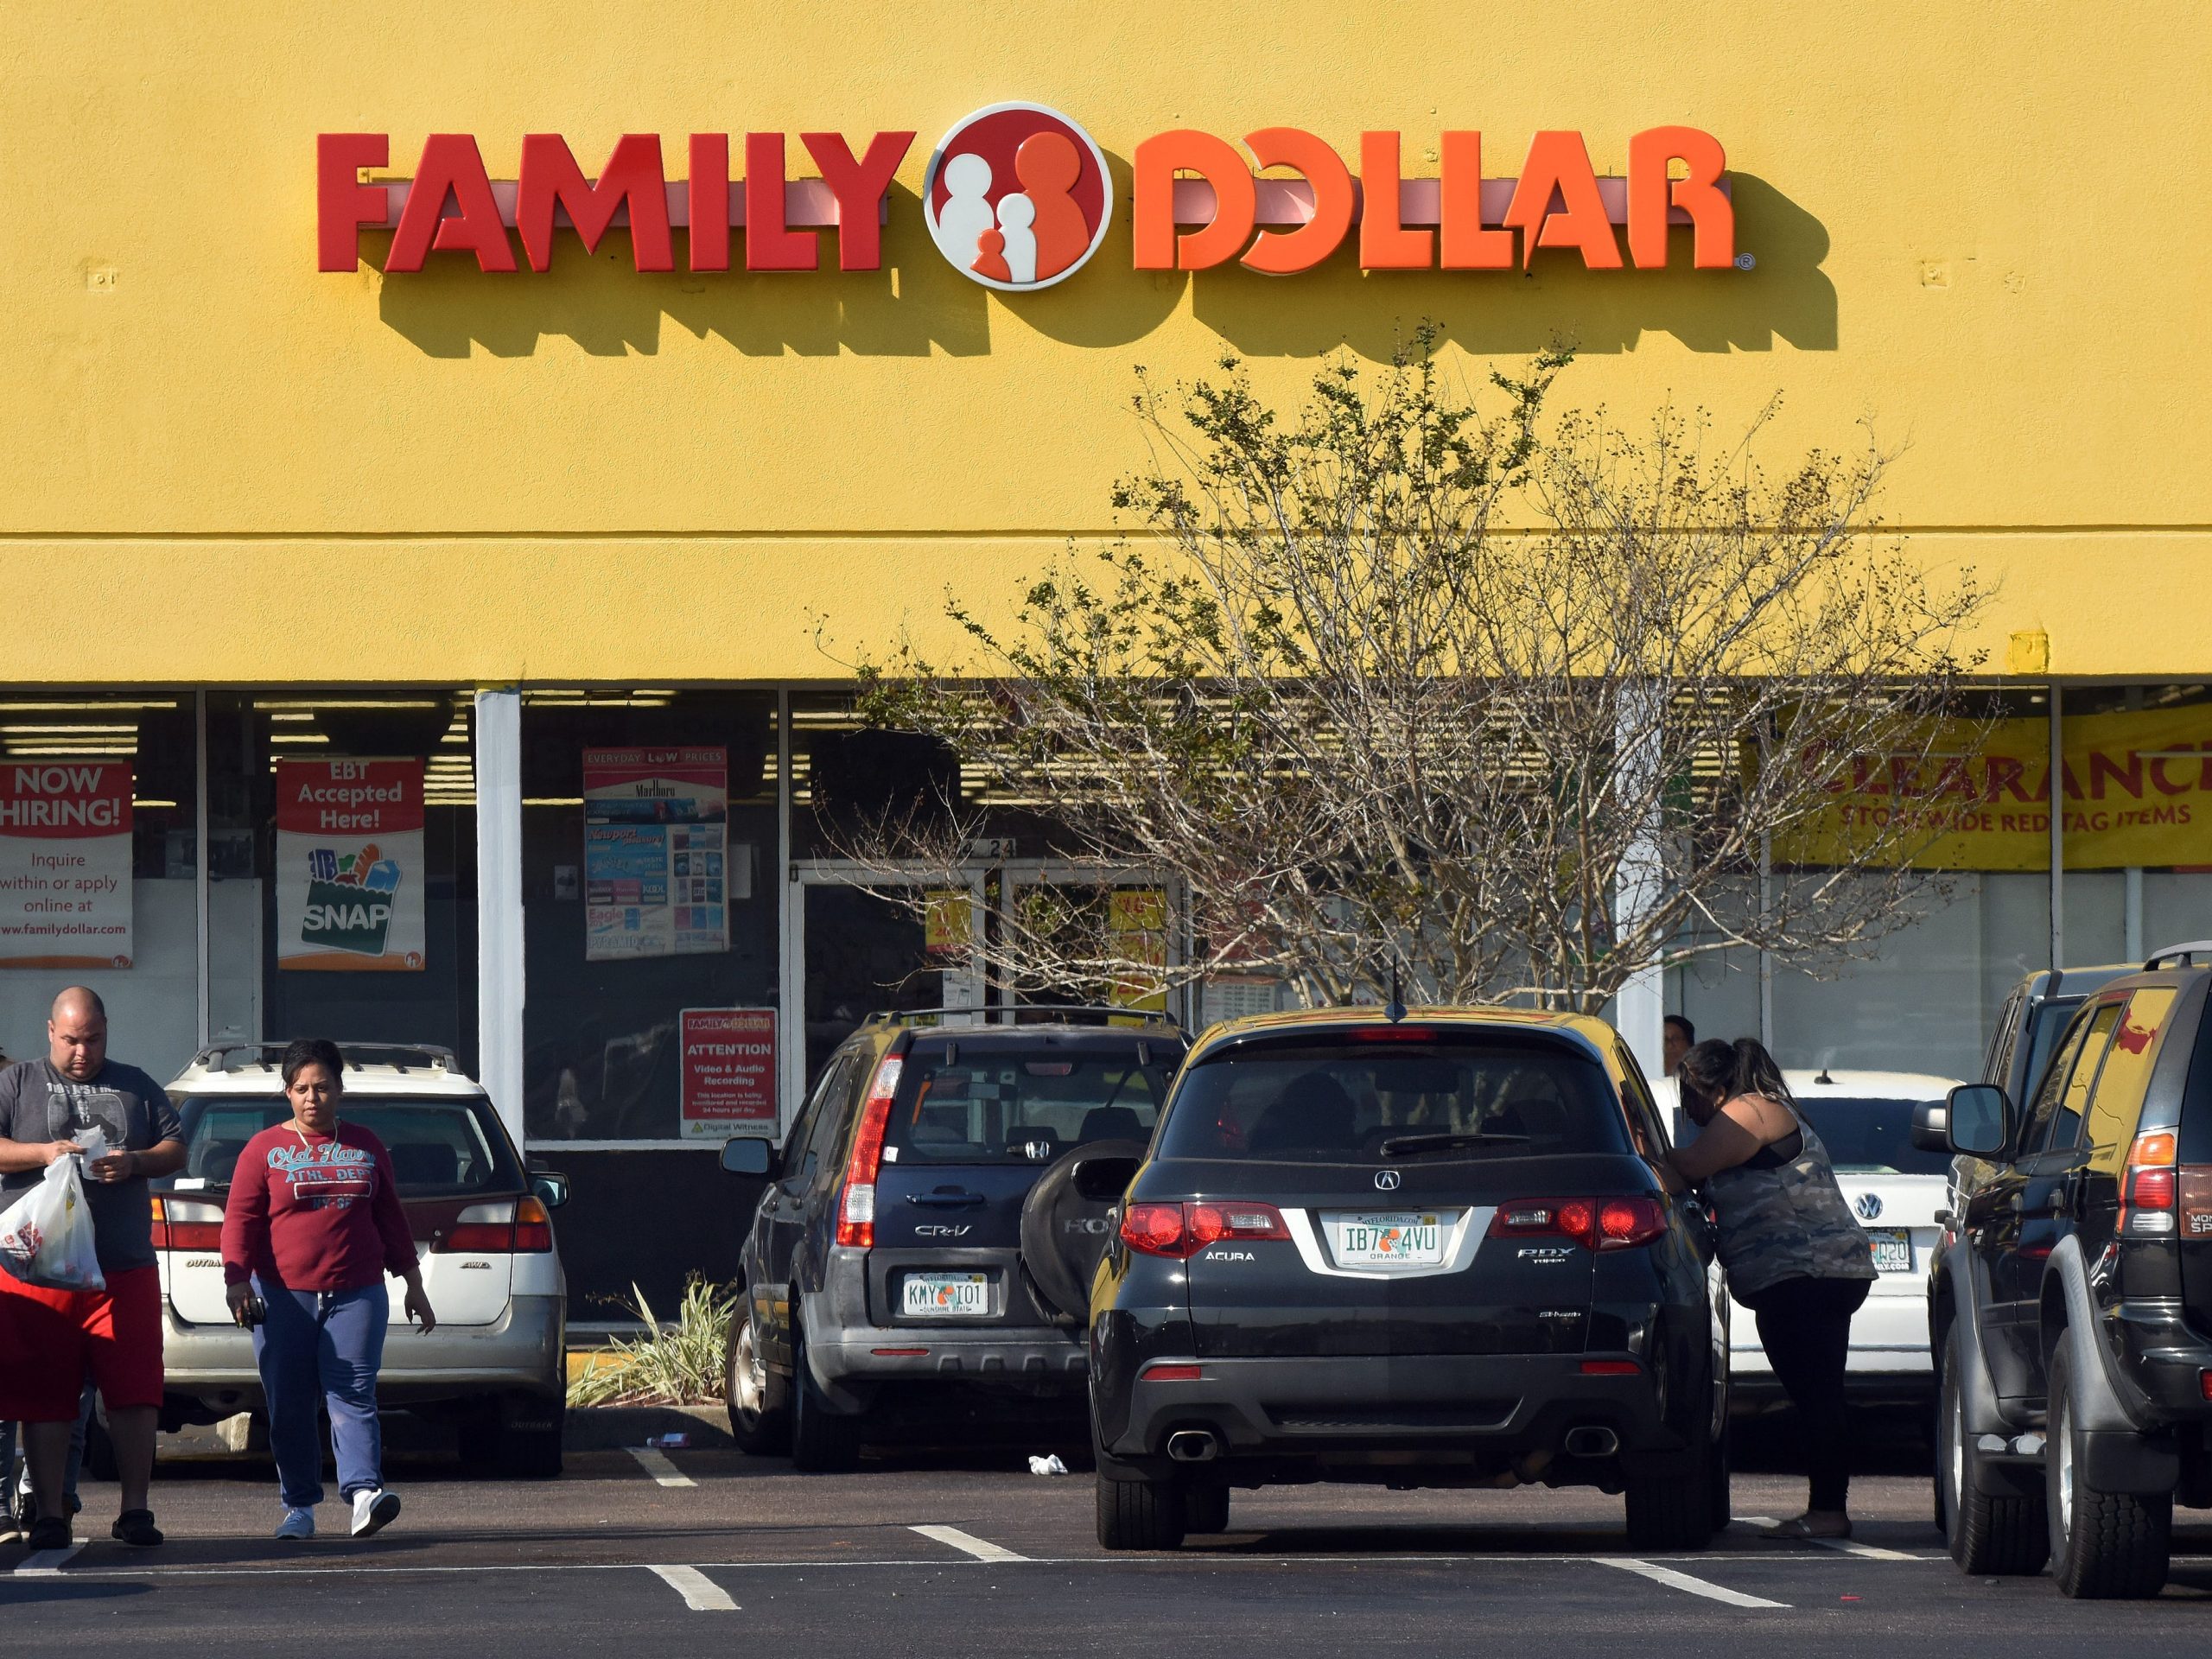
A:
x,y
2136,789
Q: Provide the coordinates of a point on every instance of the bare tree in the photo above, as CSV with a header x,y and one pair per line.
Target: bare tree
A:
x,y
1515,702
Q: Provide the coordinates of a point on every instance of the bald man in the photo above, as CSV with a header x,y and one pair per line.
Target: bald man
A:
x,y
50,1338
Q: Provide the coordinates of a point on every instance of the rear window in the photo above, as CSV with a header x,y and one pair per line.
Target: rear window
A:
x,y
1354,1100
2046,1025
1871,1136
973,1104
439,1148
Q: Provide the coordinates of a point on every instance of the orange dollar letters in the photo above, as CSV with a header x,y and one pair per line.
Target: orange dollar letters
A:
x,y
1236,201
1713,217
1280,253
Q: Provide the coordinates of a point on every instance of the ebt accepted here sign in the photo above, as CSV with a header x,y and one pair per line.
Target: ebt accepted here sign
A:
x,y
349,864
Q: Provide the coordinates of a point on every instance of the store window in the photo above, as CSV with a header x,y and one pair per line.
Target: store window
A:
x,y
98,806
650,912
342,867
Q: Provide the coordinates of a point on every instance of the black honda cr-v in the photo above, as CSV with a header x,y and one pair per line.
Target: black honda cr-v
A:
x,y
1431,1251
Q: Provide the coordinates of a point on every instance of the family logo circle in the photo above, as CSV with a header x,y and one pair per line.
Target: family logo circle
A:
x,y
1017,196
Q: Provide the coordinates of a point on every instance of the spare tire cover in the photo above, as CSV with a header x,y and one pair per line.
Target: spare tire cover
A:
x,y
1064,1234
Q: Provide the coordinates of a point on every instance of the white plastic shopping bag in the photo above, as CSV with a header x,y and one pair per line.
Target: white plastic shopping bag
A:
x,y
46,1236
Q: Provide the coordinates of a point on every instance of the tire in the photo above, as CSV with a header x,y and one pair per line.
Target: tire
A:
x,y
1671,1513
1720,1507
1141,1514
2104,1546
1205,1507
823,1442
530,1453
756,1398
1987,1536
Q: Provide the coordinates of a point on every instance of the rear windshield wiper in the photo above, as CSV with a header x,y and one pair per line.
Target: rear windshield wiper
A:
x,y
1449,1141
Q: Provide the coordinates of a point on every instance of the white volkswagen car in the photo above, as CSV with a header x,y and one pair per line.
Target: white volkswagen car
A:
x,y
495,1366
1864,1118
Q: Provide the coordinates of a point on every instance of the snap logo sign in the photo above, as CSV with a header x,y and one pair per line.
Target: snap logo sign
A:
x,y
1017,196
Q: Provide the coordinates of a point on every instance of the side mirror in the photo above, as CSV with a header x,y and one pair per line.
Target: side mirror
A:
x,y
1931,1122
552,1190
1978,1120
748,1155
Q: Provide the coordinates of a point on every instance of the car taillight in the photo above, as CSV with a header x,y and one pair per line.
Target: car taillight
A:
x,y
2150,1186
1618,1224
856,1204
1183,1229
533,1227
180,1224
481,1228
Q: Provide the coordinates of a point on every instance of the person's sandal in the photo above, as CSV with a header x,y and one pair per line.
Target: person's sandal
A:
x,y
49,1532
1810,1525
136,1527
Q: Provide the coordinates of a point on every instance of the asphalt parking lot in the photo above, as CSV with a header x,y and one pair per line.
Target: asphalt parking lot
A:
x,y
969,1554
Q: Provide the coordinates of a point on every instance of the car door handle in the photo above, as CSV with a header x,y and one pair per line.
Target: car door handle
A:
x,y
945,1200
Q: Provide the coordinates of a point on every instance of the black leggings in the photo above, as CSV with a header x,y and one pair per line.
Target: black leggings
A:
x,y
1805,1327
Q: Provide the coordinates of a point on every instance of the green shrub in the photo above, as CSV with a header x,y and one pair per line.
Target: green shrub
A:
x,y
680,1365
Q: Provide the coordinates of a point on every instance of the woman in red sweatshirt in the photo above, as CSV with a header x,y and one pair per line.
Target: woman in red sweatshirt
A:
x,y
311,1225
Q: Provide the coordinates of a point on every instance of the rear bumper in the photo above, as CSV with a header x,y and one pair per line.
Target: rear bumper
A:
x,y
209,1372
2166,1357
850,1364
1889,1353
1495,1408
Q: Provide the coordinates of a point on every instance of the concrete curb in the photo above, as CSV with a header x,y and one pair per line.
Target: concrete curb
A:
x,y
598,1428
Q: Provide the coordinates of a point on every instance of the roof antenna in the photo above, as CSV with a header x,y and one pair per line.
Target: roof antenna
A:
x,y
1396,1009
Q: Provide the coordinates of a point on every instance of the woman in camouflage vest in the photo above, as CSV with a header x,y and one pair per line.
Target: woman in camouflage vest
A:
x,y
1793,1253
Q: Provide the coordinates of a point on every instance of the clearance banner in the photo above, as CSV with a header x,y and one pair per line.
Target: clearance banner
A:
x,y
349,866
2136,788
65,865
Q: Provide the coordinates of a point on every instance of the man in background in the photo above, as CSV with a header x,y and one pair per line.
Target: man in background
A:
x,y
1680,1037
49,1339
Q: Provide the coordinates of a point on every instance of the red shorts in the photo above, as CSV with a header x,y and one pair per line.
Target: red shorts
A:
x,y
50,1338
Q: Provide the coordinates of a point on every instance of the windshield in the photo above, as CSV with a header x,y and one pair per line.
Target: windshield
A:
x,y
1873,1137
1357,1099
439,1148
969,1103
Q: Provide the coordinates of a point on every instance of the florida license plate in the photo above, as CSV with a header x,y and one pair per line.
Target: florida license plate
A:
x,y
1892,1249
945,1295
1387,1239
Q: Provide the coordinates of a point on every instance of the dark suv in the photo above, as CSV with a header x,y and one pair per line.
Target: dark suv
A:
x,y
919,1258
2070,1304
1432,1251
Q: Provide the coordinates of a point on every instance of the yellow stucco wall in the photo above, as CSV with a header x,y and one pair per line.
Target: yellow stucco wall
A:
x,y
1985,229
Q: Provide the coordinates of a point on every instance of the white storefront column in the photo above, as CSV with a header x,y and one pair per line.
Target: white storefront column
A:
x,y
1639,883
498,902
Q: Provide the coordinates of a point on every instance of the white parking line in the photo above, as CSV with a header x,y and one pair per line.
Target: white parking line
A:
x,y
1673,1581
968,1543
1840,1545
656,1465
701,1593
45,1560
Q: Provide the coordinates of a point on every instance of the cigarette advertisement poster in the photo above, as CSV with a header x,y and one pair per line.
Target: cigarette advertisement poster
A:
x,y
349,866
655,883
729,1073
65,865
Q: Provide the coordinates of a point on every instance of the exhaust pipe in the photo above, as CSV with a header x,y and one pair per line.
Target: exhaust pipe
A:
x,y
1193,1446
1592,1440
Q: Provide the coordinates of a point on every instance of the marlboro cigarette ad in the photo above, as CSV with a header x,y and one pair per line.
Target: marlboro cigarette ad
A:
x,y
349,866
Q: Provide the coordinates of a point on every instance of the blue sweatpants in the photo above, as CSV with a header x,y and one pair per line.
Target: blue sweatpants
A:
x,y
318,1346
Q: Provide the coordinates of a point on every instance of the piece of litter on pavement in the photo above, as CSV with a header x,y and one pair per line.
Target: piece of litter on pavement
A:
x,y
669,1442
1051,1465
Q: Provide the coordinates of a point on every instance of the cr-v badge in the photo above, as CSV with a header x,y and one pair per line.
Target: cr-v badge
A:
x,y
1387,1180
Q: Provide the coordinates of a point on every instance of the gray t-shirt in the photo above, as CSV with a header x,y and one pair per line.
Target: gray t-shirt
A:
x,y
38,1104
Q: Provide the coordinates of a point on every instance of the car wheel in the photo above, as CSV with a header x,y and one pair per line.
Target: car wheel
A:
x,y
1141,1514
1205,1506
2104,1546
823,1442
1668,1512
757,1399
1986,1535
1720,1501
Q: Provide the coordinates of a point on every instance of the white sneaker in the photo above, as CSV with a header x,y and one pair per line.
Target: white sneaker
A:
x,y
374,1510
297,1526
